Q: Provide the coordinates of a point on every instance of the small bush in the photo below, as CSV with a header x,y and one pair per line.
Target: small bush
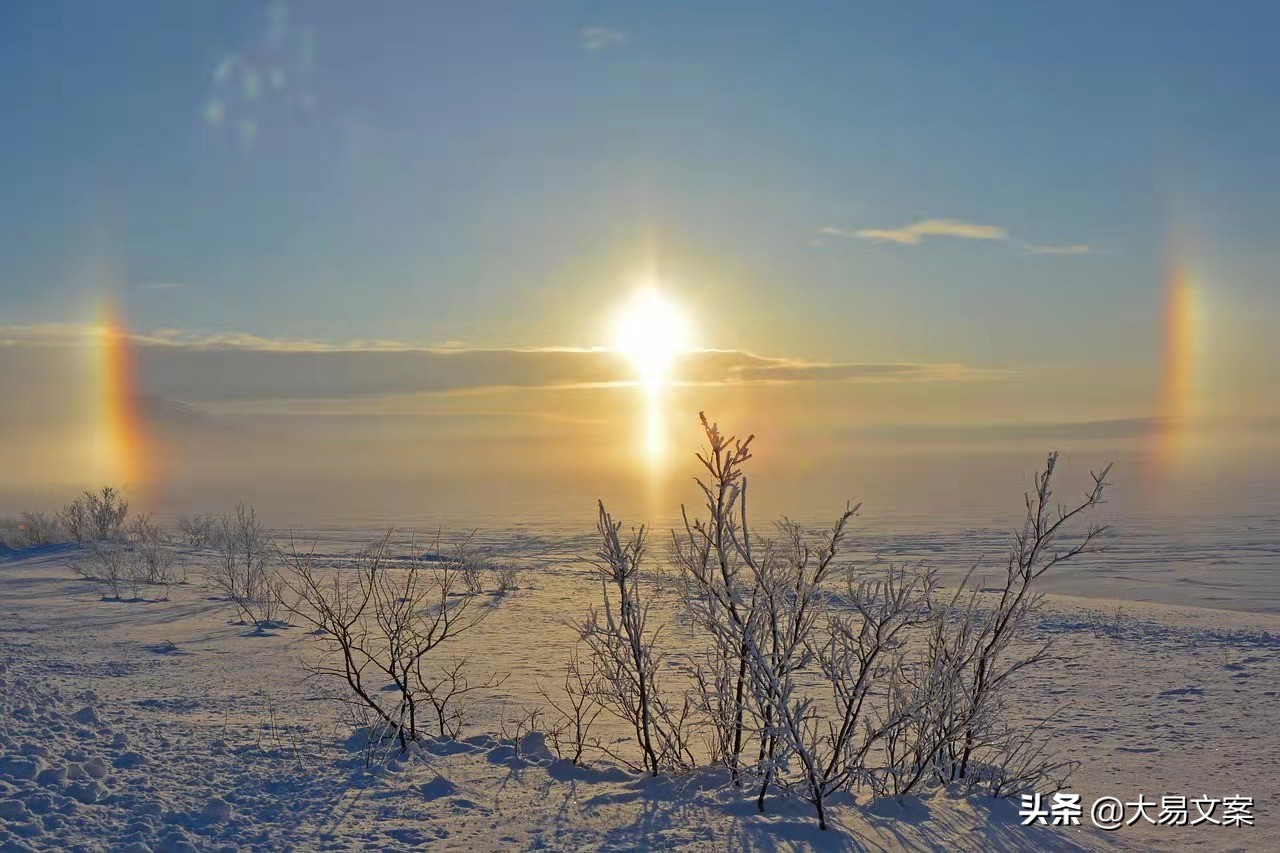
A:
x,y
110,563
625,654
243,572
156,559
96,516
378,627
472,565
507,577
575,711
31,530
198,530
143,559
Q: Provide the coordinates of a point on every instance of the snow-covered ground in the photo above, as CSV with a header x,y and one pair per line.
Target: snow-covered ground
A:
x,y
160,725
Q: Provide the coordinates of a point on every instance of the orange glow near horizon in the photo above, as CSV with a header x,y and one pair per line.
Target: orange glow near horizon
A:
x,y
120,445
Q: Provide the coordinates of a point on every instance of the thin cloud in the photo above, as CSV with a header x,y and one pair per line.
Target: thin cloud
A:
x,y
1073,249
215,113
783,370
916,232
596,39
265,82
1002,434
163,285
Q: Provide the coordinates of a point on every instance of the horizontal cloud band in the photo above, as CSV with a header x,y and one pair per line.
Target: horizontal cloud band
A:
x,y
238,367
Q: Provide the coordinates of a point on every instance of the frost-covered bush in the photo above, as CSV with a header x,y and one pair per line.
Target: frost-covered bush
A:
x,y
142,560
957,723
507,577
31,530
96,516
113,564
198,530
811,686
243,570
155,557
808,676
624,652
763,602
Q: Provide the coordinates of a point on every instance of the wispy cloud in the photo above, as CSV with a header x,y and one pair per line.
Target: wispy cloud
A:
x,y
595,39
1073,249
162,285
265,81
915,232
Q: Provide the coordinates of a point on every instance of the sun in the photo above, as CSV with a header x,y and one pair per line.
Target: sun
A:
x,y
651,332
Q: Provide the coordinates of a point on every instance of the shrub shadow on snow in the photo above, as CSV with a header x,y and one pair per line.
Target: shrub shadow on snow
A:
x,y
563,770
166,648
670,806
1124,627
990,824
266,629
37,554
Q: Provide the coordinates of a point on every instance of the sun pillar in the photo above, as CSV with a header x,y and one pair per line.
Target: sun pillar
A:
x,y
1178,398
652,333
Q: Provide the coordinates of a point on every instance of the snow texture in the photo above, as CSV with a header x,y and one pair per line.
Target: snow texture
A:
x,y
160,725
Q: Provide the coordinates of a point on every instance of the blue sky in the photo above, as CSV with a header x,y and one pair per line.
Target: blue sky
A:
x,y
491,173
938,223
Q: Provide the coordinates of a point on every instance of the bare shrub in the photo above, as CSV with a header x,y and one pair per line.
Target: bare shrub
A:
x,y
1106,625
10,529
156,560
507,577
513,728
952,700
1000,645
109,563
243,572
96,516
625,654
863,646
139,558
472,565
446,691
377,625
760,601
40,528
198,530
31,530
576,709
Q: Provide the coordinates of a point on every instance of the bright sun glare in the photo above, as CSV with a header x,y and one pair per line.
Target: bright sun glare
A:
x,y
651,332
